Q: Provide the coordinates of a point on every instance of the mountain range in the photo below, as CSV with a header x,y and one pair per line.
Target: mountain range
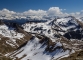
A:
x,y
60,38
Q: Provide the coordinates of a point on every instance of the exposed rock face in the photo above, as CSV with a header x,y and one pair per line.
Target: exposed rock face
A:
x,y
74,35
1,22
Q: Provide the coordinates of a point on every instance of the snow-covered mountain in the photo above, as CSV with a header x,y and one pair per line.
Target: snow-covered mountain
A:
x,y
35,40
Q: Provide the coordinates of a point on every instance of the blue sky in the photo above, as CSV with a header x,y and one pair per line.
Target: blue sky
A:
x,y
24,5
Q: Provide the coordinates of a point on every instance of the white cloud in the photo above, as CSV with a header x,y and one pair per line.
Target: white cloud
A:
x,y
6,14
6,11
35,12
77,13
39,14
54,11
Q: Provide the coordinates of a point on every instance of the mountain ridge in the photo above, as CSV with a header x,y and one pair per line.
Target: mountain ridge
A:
x,y
48,40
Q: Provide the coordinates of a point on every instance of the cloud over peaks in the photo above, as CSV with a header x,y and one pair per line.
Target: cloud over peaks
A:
x,y
38,14
54,11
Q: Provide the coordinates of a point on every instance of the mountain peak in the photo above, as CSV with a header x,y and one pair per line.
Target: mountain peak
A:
x,y
35,39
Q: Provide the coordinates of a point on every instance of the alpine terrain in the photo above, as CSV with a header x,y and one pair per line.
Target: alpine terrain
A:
x,y
60,38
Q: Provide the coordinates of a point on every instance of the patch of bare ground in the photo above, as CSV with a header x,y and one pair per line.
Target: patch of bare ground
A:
x,y
78,55
72,44
4,47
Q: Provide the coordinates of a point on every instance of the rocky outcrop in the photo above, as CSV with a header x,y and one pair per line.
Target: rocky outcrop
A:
x,y
1,22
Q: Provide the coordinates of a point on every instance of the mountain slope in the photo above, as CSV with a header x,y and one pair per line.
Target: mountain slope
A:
x,y
10,39
51,40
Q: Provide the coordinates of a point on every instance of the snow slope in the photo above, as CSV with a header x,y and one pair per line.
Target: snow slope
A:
x,y
9,32
5,31
33,50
